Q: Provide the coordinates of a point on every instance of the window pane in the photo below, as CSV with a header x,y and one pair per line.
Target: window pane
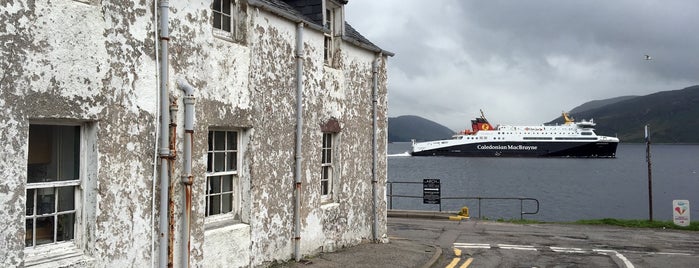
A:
x,y
66,224
211,140
324,187
44,230
215,185
217,5
226,202
41,154
227,184
217,20
226,7
209,160
30,202
232,140
219,162
329,156
28,236
214,205
226,23
66,198
46,203
67,159
219,140
231,163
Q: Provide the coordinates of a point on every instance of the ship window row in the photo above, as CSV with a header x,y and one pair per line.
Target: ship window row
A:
x,y
545,133
474,138
537,138
577,138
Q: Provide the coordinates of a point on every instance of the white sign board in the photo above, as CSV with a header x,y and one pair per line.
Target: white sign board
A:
x,y
680,212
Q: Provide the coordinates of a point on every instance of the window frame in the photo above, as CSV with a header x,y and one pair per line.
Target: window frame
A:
x,y
235,213
76,184
233,19
328,162
332,23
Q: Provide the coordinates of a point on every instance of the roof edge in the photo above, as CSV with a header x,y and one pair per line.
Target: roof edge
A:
x,y
367,47
286,15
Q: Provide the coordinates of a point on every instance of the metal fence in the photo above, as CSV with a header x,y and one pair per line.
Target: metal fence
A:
x,y
521,200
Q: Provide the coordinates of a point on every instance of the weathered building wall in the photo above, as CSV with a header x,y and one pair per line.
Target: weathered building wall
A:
x,y
94,63
68,62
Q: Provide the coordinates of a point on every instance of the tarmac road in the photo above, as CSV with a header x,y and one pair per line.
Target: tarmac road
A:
x,y
416,241
474,243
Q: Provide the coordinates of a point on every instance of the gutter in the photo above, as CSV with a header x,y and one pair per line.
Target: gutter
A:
x,y
367,47
287,15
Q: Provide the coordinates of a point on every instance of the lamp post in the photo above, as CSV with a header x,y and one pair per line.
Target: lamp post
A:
x,y
650,180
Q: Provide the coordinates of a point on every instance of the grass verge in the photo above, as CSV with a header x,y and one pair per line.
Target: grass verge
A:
x,y
693,226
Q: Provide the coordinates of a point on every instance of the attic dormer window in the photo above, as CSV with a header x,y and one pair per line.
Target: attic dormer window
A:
x,y
332,22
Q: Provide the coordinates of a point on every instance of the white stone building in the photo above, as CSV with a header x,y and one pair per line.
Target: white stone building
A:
x,y
86,158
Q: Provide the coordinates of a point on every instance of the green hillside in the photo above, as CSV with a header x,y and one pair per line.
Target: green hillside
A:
x,y
673,117
408,127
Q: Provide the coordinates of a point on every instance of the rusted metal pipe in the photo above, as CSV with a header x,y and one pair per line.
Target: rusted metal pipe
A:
x,y
171,189
187,179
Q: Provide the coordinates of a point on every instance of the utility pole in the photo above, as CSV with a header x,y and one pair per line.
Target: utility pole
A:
x,y
650,180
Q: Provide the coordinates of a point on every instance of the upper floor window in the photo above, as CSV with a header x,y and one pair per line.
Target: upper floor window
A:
x,y
222,180
53,179
224,18
332,21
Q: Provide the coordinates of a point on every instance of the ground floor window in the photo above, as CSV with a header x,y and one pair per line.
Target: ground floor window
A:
x,y
53,178
326,165
222,181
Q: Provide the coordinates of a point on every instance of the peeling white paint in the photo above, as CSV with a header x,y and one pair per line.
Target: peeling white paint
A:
x,y
74,62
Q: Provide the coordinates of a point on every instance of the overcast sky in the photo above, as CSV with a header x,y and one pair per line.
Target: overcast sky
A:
x,y
523,62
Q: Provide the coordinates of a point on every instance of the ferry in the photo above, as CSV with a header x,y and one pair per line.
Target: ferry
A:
x,y
572,139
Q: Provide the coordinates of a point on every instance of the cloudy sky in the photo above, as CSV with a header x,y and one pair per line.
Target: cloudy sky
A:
x,y
523,62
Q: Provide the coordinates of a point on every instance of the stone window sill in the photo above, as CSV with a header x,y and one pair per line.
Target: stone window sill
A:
x,y
54,255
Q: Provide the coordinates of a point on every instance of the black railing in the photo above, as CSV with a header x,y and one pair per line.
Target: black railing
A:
x,y
390,196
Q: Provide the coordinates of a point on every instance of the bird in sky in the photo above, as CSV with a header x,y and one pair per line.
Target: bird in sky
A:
x,y
648,57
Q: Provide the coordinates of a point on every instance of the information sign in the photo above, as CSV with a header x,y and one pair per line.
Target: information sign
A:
x,y
431,191
680,212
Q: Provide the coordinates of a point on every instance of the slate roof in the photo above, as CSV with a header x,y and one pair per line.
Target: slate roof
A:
x,y
311,12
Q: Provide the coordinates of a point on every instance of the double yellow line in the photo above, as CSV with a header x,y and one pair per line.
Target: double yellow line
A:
x,y
456,260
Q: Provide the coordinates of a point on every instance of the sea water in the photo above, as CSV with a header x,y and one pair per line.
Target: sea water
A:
x,y
567,189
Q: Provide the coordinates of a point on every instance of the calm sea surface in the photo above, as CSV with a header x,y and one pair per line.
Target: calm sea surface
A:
x,y
567,189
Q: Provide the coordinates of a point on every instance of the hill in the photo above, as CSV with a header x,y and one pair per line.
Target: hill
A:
x,y
407,127
590,105
673,117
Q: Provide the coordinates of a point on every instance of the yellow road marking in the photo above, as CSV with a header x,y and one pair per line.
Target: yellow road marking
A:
x,y
457,252
467,263
453,263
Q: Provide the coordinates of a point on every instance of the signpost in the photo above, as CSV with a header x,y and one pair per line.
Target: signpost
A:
x,y
431,192
680,212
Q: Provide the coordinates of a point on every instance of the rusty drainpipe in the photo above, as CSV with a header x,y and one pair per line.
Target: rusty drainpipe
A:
x,y
374,153
187,178
171,191
299,129
164,150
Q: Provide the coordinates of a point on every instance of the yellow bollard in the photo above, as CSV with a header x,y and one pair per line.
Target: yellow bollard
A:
x,y
462,215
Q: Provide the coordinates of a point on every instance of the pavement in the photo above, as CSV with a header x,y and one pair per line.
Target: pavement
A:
x,y
399,252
